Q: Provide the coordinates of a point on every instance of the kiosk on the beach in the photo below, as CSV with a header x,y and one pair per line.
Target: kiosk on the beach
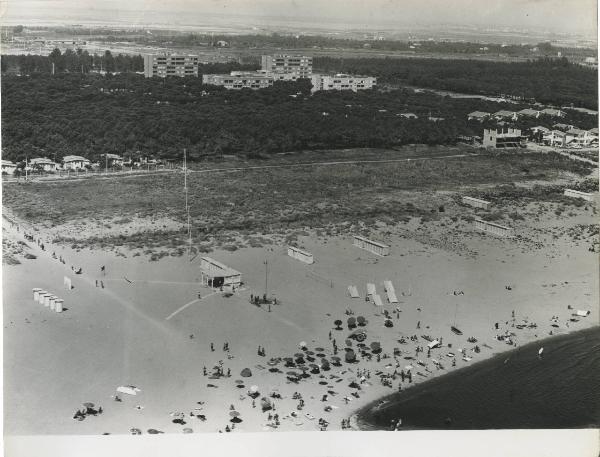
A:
x,y
215,274
494,229
299,254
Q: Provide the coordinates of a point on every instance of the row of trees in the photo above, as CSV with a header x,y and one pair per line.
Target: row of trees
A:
x,y
554,81
72,61
91,114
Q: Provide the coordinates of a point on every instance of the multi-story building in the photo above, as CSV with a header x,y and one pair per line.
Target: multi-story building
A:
x,y
240,80
342,82
287,67
163,65
512,138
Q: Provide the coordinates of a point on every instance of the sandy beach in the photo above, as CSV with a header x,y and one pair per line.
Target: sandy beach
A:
x,y
147,328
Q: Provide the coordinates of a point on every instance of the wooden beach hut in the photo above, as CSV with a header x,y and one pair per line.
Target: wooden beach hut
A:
x,y
301,255
215,274
371,246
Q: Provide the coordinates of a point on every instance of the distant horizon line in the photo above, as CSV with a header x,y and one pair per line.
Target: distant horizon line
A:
x,y
279,21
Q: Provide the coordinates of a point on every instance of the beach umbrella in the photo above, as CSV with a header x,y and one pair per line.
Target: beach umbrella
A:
x,y
323,383
320,354
274,370
239,381
240,386
273,362
348,342
408,367
299,355
292,373
234,413
88,404
187,430
153,431
348,349
302,344
309,352
235,420
246,373
319,349
254,389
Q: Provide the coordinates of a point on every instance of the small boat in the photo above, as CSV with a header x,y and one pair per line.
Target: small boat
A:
x,y
540,352
467,359
455,330
450,354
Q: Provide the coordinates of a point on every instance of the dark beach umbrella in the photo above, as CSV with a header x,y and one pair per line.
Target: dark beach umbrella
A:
x,y
348,350
246,373
319,349
320,354
310,353
235,420
239,381
153,431
274,370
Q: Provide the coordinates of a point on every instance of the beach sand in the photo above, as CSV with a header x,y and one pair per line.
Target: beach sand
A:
x,y
120,334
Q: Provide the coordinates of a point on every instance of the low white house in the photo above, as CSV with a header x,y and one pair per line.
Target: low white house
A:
x,y
75,162
8,167
42,163
113,159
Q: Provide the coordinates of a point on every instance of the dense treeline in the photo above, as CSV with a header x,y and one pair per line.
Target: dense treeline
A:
x,y
552,81
78,61
82,62
128,114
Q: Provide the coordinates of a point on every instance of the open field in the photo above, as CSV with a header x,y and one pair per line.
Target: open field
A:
x,y
234,205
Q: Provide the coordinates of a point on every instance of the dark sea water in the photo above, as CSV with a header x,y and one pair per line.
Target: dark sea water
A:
x,y
559,390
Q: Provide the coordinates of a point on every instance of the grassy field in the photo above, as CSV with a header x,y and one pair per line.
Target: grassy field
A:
x,y
243,205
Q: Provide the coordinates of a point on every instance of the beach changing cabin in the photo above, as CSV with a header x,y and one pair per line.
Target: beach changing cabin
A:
x,y
494,229
299,254
371,246
215,274
353,292
476,202
390,291
377,300
371,289
578,194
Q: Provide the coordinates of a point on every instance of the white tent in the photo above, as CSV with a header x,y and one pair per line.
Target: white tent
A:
x,y
129,390
433,344
371,289
377,300
583,313
391,293
353,292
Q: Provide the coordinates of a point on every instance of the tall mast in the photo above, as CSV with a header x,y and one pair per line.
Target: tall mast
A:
x,y
187,208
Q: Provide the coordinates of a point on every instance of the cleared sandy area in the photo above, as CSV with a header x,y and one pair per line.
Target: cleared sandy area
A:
x,y
120,334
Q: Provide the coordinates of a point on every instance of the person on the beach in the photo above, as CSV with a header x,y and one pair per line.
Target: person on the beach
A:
x,y
103,270
96,283
212,347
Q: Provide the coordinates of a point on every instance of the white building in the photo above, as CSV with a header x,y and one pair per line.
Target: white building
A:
x,y
494,229
342,82
476,202
578,194
240,80
163,65
299,254
215,274
43,164
112,159
75,162
8,167
371,246
512,138
287,67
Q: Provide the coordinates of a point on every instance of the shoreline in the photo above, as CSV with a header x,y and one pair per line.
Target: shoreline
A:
x,y
358,416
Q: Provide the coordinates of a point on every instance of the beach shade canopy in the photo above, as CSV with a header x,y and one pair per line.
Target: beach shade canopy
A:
x,y
187,430
246,373
234,413
88,404
254,389
129,390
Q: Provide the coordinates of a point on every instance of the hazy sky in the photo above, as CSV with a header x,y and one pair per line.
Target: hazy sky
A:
x,y
560,15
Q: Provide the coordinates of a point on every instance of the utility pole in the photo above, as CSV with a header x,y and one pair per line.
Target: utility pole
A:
x,y
105,164
266,277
